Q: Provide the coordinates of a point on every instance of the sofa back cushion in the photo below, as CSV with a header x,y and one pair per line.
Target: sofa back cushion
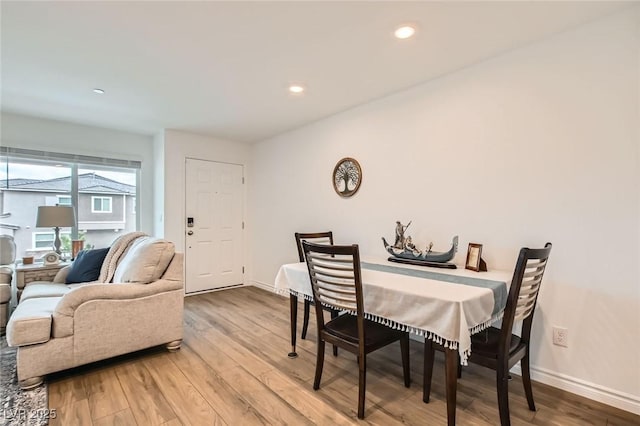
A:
x,y
145,261
86,266
119,246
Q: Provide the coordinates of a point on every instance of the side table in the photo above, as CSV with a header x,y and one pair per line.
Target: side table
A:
x,y
36,272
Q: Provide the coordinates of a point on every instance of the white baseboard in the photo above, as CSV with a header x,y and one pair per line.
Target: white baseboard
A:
x,y
195,293
264,286
608,396
612,397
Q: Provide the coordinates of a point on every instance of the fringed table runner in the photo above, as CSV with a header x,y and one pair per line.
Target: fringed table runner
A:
x,y
445,306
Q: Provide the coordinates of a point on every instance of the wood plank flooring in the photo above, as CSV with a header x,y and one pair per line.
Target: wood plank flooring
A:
x,y
233,370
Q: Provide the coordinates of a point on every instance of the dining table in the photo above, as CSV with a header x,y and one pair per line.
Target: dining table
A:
x,y
446,306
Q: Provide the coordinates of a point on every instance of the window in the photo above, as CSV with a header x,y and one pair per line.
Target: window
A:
x,y
92,185
44,240
100,204
64,200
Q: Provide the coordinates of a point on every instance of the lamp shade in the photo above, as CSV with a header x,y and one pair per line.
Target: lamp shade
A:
x,y
55,216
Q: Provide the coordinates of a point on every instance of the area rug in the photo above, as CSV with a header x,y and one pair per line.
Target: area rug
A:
x,y
28,408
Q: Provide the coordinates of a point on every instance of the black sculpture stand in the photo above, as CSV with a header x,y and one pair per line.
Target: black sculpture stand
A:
x,y
445,265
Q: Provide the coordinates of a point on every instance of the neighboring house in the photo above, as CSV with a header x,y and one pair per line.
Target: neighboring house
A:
x,y
106,208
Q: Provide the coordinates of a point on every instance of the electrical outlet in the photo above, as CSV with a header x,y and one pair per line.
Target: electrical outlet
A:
x,y
561,336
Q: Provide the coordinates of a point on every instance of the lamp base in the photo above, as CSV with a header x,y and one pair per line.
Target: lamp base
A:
x,y
56,242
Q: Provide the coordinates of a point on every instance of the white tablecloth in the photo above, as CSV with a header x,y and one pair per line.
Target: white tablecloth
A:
x,y
449,313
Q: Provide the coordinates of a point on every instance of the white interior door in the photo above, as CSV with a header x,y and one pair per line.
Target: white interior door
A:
x,y
213,225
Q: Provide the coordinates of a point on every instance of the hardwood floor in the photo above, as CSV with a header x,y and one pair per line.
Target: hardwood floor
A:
x,y
233,370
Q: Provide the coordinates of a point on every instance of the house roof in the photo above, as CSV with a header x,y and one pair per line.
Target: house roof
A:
x,y
87,183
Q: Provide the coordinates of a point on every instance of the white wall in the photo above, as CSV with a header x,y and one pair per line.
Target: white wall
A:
x,y
177,147
158,185
21,131
539,144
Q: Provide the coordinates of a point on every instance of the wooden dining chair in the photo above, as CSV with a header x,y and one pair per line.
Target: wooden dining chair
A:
x,y
318,238
498,348
336,280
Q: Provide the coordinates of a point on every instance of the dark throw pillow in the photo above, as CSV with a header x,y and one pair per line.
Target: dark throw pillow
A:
x,y
86,266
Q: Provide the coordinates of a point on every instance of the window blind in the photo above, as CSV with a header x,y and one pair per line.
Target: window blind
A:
x,y
68,158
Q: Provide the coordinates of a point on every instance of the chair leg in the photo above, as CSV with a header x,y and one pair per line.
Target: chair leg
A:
x,y
503,396
362,384
319,364
334,315
305,319
406,367
526,381
429,355
293,308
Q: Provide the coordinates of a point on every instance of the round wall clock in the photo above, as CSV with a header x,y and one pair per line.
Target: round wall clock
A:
x,y
347,177
51,258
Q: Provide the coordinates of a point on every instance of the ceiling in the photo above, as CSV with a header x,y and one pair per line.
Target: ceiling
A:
x,y
223,68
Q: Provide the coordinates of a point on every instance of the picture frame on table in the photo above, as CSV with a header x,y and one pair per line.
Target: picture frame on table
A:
x,y
474,260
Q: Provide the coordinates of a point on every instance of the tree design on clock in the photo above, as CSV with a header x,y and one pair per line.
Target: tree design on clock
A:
x,y
347,177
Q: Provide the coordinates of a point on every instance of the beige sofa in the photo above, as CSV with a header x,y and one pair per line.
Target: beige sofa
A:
x,y
6,274
7,259
136,303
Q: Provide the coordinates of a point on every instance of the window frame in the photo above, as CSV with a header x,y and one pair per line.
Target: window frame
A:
x,y
75,162
102,198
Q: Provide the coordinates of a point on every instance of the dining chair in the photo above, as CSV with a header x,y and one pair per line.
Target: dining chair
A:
x,y
318,238
336,281
498,348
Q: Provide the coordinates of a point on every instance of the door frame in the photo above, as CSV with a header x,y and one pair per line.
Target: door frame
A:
x,y
184,225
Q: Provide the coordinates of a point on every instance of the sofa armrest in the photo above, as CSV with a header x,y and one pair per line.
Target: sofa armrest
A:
x,y
30,324
6,275
61,276
112,291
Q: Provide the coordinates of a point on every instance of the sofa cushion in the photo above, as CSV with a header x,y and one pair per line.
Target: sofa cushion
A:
x,y
30,323
43,289
117,250
86,267
47,289
145,261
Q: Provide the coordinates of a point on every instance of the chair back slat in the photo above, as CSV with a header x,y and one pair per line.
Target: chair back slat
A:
x,y
334,263
348,302
524,290
529,287
329,283
325,238
322,240
326,275
335,275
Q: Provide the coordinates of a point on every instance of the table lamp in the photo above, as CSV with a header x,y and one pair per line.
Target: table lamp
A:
x,y
56,217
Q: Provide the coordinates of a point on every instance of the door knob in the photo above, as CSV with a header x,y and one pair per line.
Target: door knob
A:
x,y
190,233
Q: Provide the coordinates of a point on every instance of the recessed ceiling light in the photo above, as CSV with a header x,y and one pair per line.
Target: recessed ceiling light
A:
x,y
296,89
405,31
98,91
